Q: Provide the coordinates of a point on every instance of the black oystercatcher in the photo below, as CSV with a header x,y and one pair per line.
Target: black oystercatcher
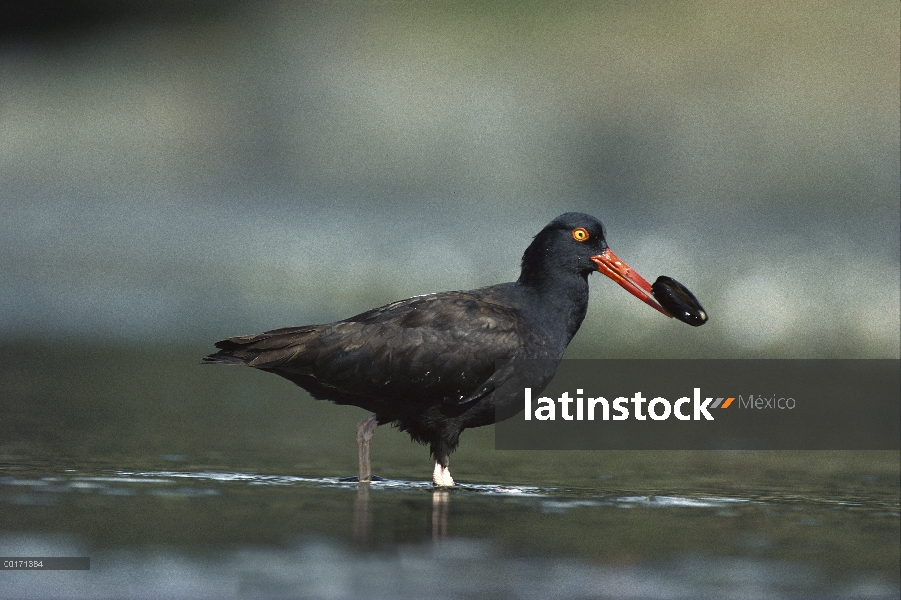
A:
x,y
427,364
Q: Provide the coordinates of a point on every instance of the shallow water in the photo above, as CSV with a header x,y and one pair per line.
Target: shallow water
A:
x,y
228,534
182,481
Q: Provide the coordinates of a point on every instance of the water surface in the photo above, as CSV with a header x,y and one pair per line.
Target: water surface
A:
x,y
182,481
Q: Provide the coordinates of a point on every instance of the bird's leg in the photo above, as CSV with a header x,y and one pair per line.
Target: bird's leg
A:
x,y
442,477
365,429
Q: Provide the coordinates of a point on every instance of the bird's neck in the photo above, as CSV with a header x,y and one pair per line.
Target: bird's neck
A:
x,y
561,300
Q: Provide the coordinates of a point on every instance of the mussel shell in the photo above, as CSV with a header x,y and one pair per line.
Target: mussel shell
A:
x,y
679,301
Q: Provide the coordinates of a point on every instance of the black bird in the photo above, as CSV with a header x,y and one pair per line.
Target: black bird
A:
x,y
427,364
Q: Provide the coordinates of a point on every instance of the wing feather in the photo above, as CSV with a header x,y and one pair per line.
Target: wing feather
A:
x,y
441,346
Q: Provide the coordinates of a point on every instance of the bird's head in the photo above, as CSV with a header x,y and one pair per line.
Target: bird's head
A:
x,y
576,243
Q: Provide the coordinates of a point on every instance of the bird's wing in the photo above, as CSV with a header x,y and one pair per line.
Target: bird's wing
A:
x,y
446,344
497,379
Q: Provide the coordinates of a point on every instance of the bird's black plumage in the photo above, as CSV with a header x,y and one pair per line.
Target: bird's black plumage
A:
x,y
427,364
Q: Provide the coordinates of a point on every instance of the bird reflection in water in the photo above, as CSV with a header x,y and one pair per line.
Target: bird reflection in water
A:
x,y
440,508
363,514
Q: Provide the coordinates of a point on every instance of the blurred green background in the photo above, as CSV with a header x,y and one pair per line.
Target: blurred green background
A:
x,y
174,173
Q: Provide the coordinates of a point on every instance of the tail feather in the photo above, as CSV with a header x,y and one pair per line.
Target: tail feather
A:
x,y
221,358
261,349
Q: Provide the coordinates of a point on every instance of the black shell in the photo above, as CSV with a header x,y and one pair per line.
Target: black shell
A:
x,y
679,301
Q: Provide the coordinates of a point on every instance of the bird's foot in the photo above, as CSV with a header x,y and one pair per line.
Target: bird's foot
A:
x,y
442,477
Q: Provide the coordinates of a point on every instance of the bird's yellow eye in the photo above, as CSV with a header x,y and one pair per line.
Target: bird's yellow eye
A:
x,y
580,234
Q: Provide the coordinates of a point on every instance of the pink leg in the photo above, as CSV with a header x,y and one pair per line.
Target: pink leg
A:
x,y
365,429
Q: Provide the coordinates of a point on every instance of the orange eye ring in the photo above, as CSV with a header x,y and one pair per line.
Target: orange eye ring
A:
x,y
580,234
